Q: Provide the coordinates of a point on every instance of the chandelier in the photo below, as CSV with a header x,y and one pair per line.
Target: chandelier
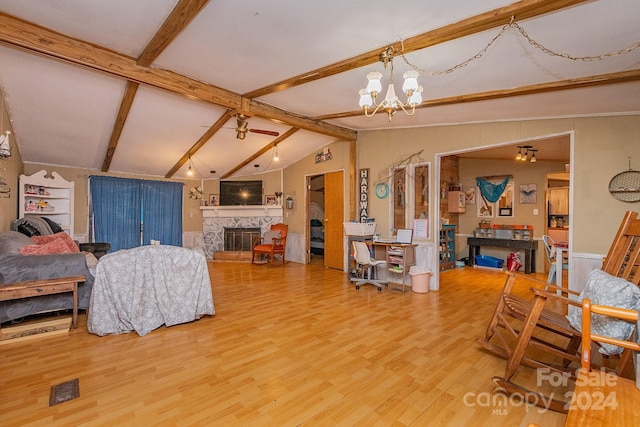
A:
x,y
391,103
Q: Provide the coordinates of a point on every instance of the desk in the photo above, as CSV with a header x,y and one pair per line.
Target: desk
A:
x,y
597,401
399,257
529,246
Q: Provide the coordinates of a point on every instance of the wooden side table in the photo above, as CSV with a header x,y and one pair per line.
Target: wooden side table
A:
x,y
44,287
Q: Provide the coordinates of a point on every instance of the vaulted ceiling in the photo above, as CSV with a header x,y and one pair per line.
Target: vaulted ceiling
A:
x,y
142,86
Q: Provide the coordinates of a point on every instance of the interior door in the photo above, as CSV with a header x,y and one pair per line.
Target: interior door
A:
x,y
333,219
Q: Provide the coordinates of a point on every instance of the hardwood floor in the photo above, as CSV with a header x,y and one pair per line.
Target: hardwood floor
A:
x,y
289,345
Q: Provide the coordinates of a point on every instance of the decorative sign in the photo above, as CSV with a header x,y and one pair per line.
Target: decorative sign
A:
x,y
323,155
363,204
420,228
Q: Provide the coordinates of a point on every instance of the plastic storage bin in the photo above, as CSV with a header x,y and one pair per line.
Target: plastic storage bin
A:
x,y
420,278
489,261
359,228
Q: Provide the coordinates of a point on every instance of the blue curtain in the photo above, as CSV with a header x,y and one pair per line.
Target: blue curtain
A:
x,y
131,212
162,212
491,191
115,203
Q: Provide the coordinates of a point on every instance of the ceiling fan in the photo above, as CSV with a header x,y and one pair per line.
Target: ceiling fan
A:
x,y
243,127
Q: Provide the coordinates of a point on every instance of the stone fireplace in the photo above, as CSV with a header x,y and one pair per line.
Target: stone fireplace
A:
x,y
217,219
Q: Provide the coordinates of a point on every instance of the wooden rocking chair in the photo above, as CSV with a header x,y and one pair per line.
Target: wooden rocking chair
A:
x,y
512,342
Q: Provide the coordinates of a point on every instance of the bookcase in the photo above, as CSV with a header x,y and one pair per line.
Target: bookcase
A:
x,y
49,197
447,246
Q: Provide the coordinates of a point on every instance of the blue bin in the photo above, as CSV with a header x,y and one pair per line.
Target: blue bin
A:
x,y
489,261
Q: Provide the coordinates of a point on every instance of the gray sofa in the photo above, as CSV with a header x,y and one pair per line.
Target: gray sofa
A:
x,y
15,267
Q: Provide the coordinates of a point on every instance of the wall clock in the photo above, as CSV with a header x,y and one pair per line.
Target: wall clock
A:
x,y
382,190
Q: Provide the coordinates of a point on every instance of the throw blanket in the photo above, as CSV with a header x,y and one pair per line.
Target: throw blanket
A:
x,y
143,288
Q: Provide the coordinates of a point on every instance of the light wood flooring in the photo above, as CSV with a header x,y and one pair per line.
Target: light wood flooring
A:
x,y
291,345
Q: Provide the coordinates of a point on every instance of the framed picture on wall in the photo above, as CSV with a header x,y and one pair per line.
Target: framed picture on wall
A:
x,y
270,200
214,200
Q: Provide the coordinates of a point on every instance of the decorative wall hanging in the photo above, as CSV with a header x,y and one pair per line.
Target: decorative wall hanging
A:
x,y
528,194
625,186
323,155
363,203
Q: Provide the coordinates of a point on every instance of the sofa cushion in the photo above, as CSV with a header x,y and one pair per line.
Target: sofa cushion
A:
x,y
12,241
57,246
62,236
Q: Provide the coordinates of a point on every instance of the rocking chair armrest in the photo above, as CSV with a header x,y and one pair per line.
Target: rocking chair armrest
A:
x,y
563,290
554,296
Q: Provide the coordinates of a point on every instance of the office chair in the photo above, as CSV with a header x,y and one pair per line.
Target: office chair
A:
x,y
363,258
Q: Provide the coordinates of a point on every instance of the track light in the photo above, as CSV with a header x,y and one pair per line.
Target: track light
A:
x,y
524,151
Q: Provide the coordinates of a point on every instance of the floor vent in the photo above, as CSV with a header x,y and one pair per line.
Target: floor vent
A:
x,y
63,392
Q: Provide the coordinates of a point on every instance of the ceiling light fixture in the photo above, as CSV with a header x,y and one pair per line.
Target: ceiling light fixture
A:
x,y
190,171
275,153
391,103
524,151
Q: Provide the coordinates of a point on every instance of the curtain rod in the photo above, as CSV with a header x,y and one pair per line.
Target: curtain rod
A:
x,y
496,177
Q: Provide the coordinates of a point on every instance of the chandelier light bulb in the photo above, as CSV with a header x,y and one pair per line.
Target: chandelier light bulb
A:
x,y
365,99
374,86
410,82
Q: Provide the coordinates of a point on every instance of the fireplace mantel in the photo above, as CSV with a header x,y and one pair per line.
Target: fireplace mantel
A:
x,y
241,211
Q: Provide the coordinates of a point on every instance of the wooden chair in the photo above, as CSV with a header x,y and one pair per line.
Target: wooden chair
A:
x,y
274,242
588,336
512,342
601,398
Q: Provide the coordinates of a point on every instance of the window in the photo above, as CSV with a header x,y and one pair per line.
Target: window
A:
x,y
502,207
131,212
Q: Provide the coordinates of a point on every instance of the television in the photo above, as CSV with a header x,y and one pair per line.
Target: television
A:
x,y
238,193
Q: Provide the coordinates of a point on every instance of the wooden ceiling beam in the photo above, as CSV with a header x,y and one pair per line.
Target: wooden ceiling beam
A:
x,y
180,17
576,83
521,10
203,140
260,152
118,125
21,34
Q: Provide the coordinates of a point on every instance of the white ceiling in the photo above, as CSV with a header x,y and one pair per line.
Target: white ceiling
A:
x,y
64,114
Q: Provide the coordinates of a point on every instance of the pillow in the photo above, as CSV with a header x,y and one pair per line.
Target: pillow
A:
x,y
57,246
12,241
269,236
62,236
605,289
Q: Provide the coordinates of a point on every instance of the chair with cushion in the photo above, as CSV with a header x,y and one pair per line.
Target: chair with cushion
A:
x,y
551,257
274,242
367,266
615,284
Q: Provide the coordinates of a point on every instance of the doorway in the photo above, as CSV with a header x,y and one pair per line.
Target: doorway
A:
x,y
325,214
553,150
